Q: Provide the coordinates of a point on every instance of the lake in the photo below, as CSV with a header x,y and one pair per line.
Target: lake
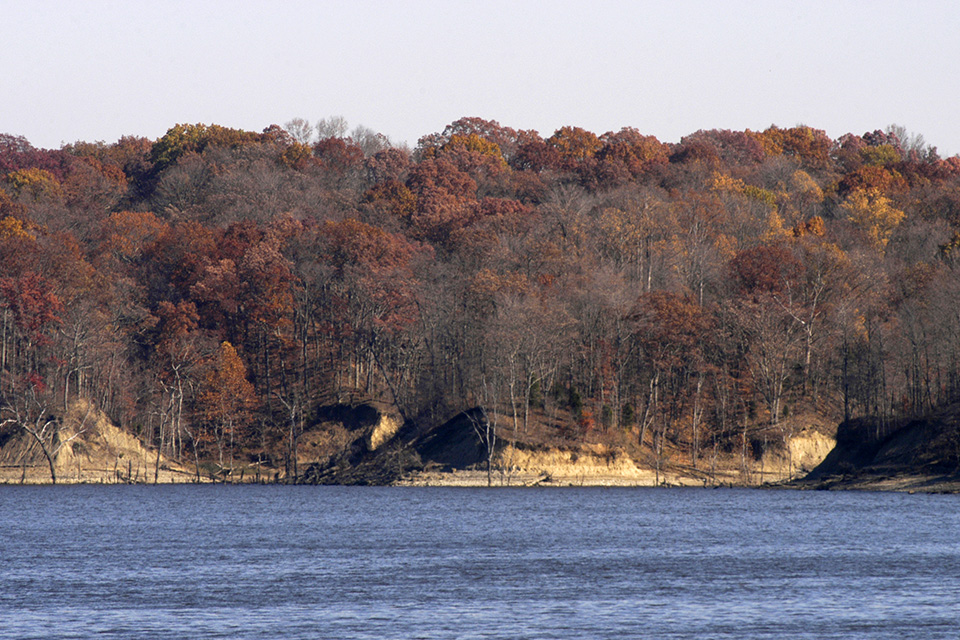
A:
x,y
259,562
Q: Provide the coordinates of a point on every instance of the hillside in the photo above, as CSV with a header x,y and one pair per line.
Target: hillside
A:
x,y
683,308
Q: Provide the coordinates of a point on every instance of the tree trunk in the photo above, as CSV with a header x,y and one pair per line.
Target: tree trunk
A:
x,y
46,454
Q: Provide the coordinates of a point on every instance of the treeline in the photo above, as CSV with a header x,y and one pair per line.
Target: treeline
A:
x,y
210,289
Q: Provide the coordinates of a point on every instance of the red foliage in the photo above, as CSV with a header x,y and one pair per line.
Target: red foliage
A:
x,y
732,147
534,154
389,164
32,301
505,138
338,155
880,178
17,153
695,151
375,267
764,269
444,194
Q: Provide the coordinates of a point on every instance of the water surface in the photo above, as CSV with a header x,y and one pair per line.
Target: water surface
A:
x,y
259,562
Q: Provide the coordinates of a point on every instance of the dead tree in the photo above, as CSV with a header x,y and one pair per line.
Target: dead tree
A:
x,y
29,413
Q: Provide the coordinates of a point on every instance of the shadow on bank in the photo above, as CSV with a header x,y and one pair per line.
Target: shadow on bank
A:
x,y
920,454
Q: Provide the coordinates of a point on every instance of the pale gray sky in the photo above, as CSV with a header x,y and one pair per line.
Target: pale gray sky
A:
x,y
98,69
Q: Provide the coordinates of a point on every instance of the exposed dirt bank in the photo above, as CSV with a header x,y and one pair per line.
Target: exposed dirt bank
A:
x,y
368,443
459,462
87,449
909,454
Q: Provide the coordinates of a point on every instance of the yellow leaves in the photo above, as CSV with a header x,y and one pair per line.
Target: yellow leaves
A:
x,y
786,205
623,233
393,196
810,146
774,228
127,232
762,195
858,326
486,284
723,183
726,246
37,183
475,143
297,156
574,143
195,137
771,140
879,156
873,214
815,226
805,188
950,251
12,229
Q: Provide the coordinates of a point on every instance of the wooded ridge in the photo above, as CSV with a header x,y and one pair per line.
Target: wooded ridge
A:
x,y
215,291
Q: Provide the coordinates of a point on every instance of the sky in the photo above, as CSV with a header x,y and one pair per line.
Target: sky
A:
x,y
100,69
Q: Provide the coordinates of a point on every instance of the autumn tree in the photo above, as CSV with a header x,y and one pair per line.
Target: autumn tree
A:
x,y
671,332
178,350
341,162
874,215
30,311
486,261
388,164
534,154
373,288
226,401
732,147
625,156
444,195
769,324
574,145
808,145
183,138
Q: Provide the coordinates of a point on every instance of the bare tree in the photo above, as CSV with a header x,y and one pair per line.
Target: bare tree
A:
x,y
484,424
29,413
332,127
300,129
369,140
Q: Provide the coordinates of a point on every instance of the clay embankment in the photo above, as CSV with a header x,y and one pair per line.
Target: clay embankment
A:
x,y
596,465
88,449
452,455
368,444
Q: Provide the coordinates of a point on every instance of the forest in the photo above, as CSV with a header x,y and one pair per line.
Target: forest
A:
x,y
210,291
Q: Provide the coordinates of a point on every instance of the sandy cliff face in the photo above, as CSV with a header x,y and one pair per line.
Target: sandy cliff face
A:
x,y
597,465
386,426
368,444
590,464
802,453
88,449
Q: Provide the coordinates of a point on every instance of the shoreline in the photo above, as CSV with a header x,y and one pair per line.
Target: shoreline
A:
x,y
910,483
887,483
